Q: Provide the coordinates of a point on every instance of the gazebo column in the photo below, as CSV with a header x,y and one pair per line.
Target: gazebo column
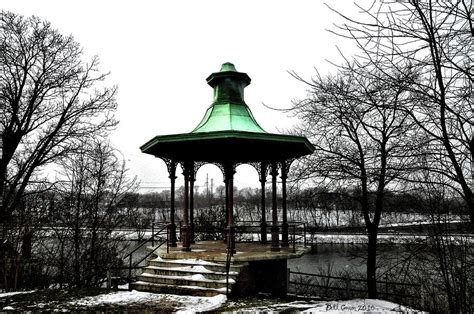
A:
x,y
229,172
275,229
284,225
185,229
263,224
226,206
192,179
171,165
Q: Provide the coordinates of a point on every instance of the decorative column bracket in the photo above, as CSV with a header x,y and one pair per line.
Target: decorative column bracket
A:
x,y
171,166
194,167
262,169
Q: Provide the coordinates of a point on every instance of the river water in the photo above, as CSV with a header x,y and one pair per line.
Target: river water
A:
x,y
351,258
339,257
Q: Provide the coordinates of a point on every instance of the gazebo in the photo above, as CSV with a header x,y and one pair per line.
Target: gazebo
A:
x,y
227,136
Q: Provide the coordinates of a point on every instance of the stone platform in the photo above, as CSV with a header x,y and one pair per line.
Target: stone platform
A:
x,y
202,271
216,251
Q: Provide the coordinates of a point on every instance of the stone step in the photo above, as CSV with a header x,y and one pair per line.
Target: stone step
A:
x,y
176,289
189,271
212,266
197,280
186,277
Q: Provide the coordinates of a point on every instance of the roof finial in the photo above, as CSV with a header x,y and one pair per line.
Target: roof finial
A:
x,y
226,67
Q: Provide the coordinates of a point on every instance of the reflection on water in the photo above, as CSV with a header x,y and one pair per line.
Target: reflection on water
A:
x,y
351,257
341,257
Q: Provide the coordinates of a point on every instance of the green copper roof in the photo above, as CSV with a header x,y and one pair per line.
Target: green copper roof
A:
x,y
228,145
227,117
228,130
228,112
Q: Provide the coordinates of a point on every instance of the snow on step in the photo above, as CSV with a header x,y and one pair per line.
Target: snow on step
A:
x,y
196,277
193,269
186,261
193,262
178,289
220,290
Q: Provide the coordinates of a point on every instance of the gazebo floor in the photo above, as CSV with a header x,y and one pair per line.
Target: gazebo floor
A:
x,y
216,251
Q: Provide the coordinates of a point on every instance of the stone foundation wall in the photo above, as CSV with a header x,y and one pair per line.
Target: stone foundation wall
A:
x,y
269,276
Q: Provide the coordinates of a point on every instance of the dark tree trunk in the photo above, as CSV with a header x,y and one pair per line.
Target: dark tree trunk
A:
x,y
372,263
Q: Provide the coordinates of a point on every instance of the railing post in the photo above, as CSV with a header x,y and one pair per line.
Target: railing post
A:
x,y
130,272
348,288
152,233
109,278
294,238
304,233
287,280
167,242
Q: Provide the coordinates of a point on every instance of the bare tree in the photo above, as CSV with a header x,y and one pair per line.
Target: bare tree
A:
x,y
434,38
363,140
92,187
50,101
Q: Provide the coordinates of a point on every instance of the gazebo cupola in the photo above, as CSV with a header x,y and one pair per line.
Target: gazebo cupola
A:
x,y
229,135
228,110
228,84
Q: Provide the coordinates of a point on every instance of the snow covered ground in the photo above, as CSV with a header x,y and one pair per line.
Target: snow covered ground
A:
x,y
119,299
348,306
183,303
359,305
188,304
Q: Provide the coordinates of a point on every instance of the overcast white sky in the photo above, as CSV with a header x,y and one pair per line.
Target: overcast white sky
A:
x,y
159,54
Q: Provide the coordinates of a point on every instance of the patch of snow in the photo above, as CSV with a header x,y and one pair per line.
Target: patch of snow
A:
x,y
382,238
120,297
359,305
211,304
199,277
315,306
192,269
123,287
186,303
7,294
195,277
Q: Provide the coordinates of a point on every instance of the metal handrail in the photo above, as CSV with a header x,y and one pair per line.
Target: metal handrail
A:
x,y
227,264
146,241
245,227
141,260
130,255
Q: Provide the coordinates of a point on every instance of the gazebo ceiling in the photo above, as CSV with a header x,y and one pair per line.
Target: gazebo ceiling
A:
x,y
228,130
